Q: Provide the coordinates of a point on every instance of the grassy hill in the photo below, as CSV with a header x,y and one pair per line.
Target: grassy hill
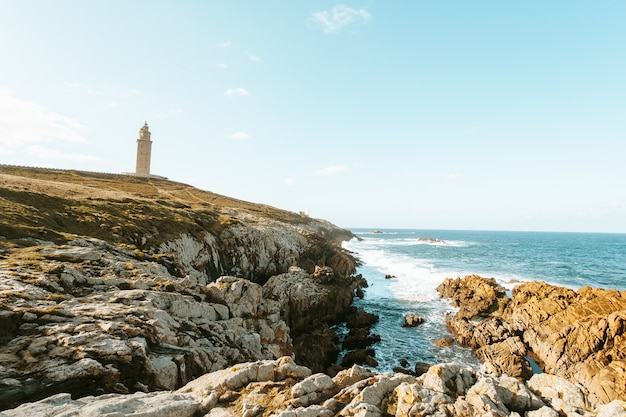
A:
x,y
50,205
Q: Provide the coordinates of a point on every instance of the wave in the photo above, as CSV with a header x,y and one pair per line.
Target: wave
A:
x,y
414,279
416,241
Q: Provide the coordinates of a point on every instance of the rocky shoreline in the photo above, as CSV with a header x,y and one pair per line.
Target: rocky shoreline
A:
x,y
281,388
135,297
106,291
577,335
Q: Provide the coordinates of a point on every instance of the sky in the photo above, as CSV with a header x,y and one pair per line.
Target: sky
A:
x,y
474,115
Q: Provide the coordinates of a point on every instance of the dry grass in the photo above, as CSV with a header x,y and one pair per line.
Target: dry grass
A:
x,y
54,205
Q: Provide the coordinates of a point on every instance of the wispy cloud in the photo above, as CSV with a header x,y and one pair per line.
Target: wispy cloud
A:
x,y
226,44
290,181
453,177
254,58
169,113
24,122
222,66
240,135
340,16
28,133
237,92
46,154
331,170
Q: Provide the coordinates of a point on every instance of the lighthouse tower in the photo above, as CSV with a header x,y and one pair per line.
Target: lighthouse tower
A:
x,y
144,151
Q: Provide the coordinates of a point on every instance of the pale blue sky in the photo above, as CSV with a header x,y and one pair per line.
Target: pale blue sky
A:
x,y
492,115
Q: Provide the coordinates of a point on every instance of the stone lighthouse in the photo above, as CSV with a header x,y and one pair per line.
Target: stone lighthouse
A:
x,y
144,151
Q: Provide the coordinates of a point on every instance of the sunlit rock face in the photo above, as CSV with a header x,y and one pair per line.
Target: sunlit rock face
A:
x,y
112,284
280,387
577,335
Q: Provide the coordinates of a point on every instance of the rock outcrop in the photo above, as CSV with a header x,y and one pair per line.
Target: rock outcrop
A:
x,y
281,388
112,284
578,335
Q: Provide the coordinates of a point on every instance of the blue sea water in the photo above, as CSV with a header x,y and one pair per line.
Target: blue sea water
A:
x,y
421,259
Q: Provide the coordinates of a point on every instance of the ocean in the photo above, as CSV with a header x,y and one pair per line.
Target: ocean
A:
x,y
419,260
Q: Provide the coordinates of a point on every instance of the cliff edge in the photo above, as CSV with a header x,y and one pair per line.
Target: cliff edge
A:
x,y
119,284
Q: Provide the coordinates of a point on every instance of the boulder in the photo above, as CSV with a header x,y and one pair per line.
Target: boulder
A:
x,y
412,321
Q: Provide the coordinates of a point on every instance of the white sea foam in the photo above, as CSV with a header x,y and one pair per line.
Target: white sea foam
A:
x,y
414,279
371,241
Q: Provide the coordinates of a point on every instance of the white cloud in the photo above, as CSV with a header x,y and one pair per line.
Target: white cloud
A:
x,y
47,154
73,85
254,58
453,177
240,136
237,92
24,122
169,113
341,15
331,170
226,44
290,181
222,66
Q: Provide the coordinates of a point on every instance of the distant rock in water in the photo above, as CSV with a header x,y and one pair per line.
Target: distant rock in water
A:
x,y
412,321
444,342
578,335
431,240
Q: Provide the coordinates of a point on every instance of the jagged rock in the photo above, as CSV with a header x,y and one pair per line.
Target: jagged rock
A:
x,y
351,376
307,306
444,342
579,335
282,388
615,408
412,321
312,390
448,379
241,296
502,395
371,399
156,404
359,318
544,411
559,392
421,368
415,400
474,295
359,338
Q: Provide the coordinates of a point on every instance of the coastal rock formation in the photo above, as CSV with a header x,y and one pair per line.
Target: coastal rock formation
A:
x,y
281,388
412,320
578,335
112,284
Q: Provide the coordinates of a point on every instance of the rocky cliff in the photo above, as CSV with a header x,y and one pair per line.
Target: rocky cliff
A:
x,y
578,335
119,284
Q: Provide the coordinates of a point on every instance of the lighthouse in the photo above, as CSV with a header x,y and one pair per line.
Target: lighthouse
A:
x,y
144,152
